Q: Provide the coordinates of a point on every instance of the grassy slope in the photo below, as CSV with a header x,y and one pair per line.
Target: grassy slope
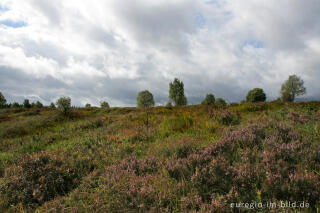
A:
x,y
128,159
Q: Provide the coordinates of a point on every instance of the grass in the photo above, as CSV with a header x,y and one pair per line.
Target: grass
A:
x,y
163,159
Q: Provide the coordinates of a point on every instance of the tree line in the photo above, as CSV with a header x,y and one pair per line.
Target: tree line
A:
x,y
290,89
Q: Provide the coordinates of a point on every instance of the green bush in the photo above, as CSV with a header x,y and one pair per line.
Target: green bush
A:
x,y
220,102
64,105
26,103
38,179
209,99
176,124
3,101
104,104
52,106
145,99
15,105
227,117
256,95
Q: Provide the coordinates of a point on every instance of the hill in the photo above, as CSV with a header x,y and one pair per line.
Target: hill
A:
x,y
161,159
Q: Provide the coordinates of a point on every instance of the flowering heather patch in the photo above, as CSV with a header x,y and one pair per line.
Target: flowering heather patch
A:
x,y
40,178
298,118
226,117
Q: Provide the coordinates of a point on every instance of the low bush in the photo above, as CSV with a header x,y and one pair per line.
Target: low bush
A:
x,y
175,124
38,179
226,117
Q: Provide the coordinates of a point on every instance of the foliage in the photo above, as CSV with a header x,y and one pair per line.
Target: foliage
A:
x,y
26,103
87,105
3,101
52,105
104,104
209,99
220,102
176,92
145,99
39,179
291,88
175,124
226,117
64,105
256,95
38,104
15,105
169,104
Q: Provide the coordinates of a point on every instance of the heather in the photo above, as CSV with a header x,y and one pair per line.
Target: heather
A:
x,y
200,158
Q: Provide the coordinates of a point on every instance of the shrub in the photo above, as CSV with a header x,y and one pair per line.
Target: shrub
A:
x,y
175,124
38,104
220,102
64,105
26,103
226,117
52,105
209,99
87,105
15,105
104,104
39,179
298,118
253,107
3,101
145,99
256,95
169,104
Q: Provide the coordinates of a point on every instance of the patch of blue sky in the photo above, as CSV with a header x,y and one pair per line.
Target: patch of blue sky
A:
x,y
3,8
199,20
217,3
254,43
13,24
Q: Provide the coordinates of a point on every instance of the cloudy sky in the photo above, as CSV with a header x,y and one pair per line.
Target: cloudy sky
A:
x,y
112,49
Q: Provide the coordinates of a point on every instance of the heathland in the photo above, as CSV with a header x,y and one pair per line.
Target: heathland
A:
x,y
161,159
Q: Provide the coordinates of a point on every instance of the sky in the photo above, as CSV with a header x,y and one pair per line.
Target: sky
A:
x,y
109,50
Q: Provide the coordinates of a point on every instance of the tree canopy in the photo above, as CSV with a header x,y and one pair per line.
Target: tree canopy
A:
x,y
3,101
291,88
176,92
209,99
145,99
256,95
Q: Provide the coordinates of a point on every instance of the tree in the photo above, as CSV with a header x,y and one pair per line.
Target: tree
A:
x,y
145,99
291,88
3,101
15,105
176,92
52,105
256,95
209,99
104,104
87,105
220,102
26,103
38,104
169,104
64,105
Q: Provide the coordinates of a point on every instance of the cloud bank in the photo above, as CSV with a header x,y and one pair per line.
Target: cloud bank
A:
x,y
110,50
